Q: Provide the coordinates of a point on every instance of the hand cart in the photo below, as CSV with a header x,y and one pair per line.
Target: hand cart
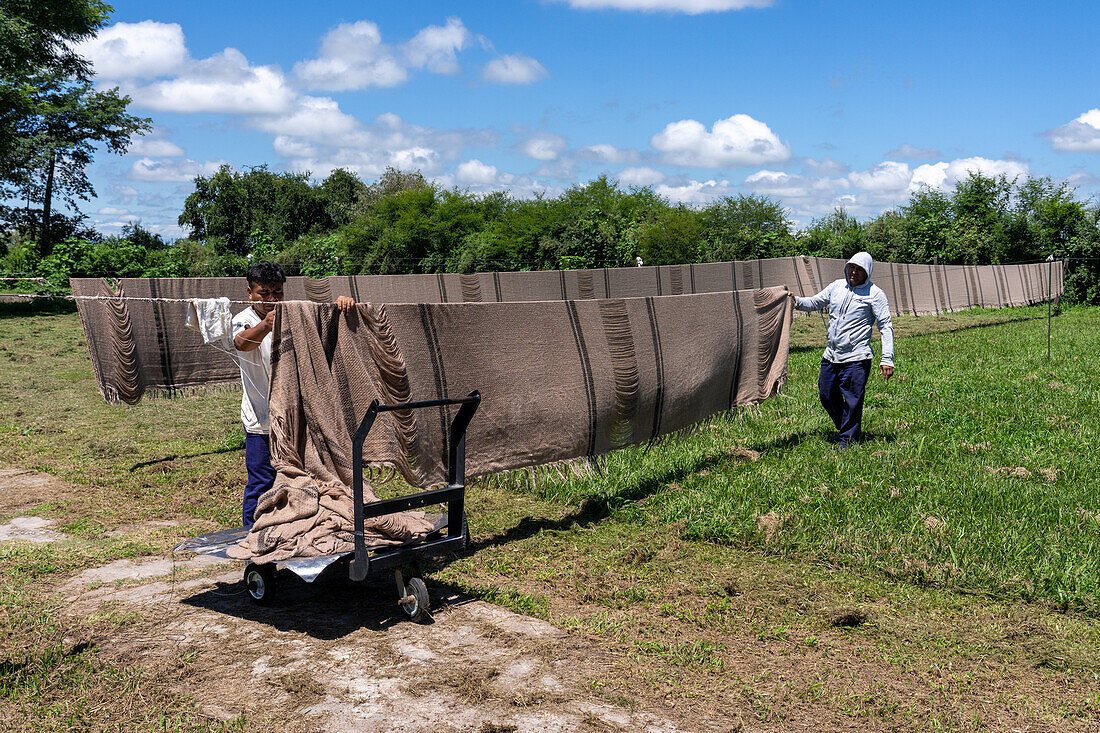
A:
x,y
412,596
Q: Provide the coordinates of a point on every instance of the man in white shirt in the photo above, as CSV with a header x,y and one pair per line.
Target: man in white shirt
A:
x,y
855,306
252,339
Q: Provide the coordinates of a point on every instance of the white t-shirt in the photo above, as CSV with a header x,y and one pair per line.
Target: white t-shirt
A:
x,y
255,376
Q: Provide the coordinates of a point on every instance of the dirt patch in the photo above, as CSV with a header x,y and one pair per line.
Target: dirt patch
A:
x,y
338,655
22,489
29,529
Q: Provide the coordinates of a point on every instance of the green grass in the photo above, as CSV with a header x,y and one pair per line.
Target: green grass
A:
x,y
934,496
704,562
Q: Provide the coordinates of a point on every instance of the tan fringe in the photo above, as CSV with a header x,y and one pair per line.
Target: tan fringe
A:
x,y
624,365
471,288
585,288
676,276
394,386
318,290
125,384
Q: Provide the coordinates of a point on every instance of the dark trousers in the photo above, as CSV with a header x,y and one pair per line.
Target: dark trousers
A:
x,y
841,388
261,476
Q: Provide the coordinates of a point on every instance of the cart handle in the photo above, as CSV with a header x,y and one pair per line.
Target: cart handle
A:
x,y
456,467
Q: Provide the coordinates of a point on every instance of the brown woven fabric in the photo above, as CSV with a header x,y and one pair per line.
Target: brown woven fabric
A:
x,y
559,380
139,345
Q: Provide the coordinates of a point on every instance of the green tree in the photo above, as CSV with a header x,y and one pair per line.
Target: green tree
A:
x,y
838,235
745,227
980,221
37,39
251,209
51,119
57,144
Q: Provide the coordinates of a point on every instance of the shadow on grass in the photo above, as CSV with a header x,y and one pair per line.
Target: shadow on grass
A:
x,y
595,508
173,457
36,307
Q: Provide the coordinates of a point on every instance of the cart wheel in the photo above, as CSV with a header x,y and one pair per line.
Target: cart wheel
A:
x,y
260,582
416,607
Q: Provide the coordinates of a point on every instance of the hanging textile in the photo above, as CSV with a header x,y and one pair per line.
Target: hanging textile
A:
x,y
558,380
141,345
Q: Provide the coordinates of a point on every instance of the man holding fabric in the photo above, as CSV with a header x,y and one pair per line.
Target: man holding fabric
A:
x,y
855,305
252,329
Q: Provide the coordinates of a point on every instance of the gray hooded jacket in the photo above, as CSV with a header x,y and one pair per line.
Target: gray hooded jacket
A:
x,y
852,314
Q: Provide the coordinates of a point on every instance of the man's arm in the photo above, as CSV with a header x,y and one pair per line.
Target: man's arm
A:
x,y
249,339
814,302
881,308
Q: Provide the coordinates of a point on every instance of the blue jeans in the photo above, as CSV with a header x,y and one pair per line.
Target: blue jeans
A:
x,y
841,388
261,476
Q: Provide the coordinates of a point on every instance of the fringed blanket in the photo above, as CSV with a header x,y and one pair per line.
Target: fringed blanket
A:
x,y
142,345
559,380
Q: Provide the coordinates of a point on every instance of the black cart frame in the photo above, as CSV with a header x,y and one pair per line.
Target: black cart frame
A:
x,y
453,494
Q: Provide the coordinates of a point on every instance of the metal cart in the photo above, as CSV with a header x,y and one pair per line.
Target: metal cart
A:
x,y
450,533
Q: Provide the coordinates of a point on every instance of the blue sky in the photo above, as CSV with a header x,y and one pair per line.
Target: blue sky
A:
x,y
815,104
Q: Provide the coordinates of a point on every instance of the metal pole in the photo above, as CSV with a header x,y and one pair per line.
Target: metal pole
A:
x,y
1050,297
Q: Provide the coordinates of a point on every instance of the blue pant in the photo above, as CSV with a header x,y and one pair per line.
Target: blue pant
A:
x,y
261,476
841,388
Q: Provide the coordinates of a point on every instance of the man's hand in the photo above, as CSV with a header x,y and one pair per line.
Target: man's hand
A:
x,y
344,304
886,370
269,321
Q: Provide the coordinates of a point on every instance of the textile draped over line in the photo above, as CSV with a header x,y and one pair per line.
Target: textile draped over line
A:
x,y
142,345
559,380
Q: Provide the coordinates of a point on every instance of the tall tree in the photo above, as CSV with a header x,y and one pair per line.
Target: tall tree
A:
x,y
51,119
37,38
56,145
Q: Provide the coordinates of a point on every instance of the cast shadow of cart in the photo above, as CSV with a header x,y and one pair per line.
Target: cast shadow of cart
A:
x,y
329,608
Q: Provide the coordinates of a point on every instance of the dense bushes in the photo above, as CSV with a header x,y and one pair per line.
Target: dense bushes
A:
x,y
403,224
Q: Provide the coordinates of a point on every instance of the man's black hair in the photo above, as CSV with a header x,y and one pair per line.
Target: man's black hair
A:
x,y
268,273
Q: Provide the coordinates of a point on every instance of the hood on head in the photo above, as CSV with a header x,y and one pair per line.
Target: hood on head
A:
x,y
863,259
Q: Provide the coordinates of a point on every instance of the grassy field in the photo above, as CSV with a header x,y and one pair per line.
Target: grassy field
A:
x,y
942,575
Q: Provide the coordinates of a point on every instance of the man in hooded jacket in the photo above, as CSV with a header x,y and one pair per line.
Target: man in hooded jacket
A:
x,y
855,306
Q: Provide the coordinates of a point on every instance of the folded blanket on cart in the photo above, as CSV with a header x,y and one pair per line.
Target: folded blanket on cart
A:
x,y
559,380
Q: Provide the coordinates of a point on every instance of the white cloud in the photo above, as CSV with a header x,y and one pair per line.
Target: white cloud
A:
x,y
435,48
147,169
826,166
312,117
135,50
690,7
640,176
113,211
695,192
944,175
417,158
1082,135
543,146
352,57
792,187
1081,178
911,152
368,148
155,147
292,147
886,176
513,69
476,172
607,153
225,82
737,141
